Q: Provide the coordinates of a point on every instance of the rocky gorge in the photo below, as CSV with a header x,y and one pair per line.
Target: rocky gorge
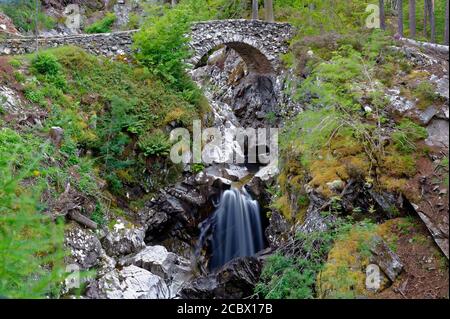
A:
x,y
358,185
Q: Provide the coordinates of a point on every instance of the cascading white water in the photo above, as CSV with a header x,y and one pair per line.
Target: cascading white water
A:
x,y
237,229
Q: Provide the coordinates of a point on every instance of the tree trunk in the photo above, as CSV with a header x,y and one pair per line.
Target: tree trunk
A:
x,y
412,19
255,5
382,15
425,19
432,20
173,3
268,7
446,24
400,17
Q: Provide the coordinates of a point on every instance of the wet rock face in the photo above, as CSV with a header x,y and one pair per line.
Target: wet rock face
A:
x,y
255,99
236,279
278,230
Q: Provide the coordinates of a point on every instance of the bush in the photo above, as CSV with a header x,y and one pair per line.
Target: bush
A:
x,y
102,26
46,64
295,276
155,144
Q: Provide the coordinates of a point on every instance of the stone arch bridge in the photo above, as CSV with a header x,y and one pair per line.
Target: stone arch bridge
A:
x,y
259,43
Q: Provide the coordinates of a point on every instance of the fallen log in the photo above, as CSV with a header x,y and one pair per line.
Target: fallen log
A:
x,y
81,219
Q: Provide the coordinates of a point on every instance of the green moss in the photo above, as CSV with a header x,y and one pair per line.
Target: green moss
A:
x,y
426,93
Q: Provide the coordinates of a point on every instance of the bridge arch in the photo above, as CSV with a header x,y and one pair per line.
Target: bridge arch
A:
x,y
259,43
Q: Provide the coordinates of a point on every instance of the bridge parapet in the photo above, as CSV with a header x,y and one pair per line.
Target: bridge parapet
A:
x,y
259,43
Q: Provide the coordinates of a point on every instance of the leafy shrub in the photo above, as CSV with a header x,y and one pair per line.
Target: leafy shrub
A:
x,y
102,26
46,64
197,167
155,144
287,276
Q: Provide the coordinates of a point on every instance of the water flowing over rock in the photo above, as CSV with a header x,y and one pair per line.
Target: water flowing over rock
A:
x,y
237,229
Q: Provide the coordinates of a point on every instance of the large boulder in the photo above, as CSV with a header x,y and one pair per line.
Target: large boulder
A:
x,y
123,240
175,270
129,283
385,258
84,247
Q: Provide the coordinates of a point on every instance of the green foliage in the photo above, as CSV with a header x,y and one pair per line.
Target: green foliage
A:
x,y
309,132
31,262
426,93
46,64
102,26
313,17
197,167
294,276
106,108
406,134
155,144
23,15
162,44
15,63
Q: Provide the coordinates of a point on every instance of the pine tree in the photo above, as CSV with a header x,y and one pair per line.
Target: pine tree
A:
x,y
412,18
31,244
400,17
255,6
268,7
382,15
446,34
431,14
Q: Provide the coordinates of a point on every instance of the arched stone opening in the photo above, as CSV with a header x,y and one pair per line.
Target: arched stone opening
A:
x,y
255,60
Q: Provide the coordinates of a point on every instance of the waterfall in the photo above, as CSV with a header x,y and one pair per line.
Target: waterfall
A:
x,y
237,229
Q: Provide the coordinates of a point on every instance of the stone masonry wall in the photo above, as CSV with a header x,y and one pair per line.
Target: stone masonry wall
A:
x,y
258,42
106,44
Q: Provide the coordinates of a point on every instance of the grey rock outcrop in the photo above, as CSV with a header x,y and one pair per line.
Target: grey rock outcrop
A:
x,y
175,270
129,283
123,241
